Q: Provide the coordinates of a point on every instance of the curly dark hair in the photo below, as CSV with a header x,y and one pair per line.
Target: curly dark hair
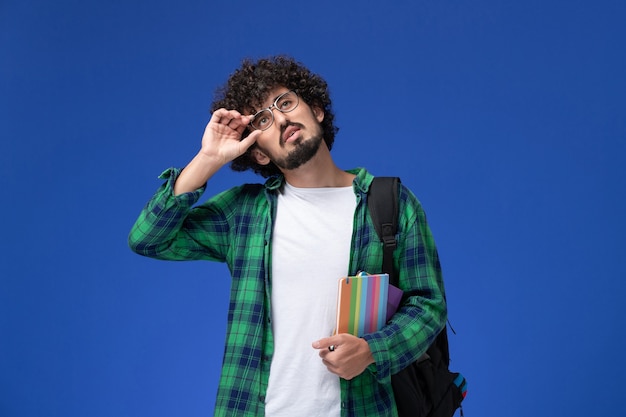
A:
x,y
248,87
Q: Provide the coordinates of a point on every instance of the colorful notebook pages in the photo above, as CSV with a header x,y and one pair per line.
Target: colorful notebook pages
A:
x,y
362,304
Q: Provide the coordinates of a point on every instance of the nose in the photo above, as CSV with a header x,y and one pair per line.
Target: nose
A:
x,y
279,117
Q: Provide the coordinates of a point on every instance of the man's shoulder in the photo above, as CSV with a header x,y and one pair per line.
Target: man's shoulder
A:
x,y
363,178
242,191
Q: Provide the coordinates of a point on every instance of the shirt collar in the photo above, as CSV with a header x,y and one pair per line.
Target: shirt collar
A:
x,y
361,182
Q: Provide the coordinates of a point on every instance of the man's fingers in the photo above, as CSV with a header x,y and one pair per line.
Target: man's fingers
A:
x,y
327,345
243,125
224,116
229,125
324,343
350,358
231,118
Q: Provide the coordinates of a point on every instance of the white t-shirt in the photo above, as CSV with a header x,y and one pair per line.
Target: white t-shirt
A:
x,y
310,252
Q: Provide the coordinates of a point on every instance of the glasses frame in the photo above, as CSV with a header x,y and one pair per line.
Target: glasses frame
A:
x,y
274,106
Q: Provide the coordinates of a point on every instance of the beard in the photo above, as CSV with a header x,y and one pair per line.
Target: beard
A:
x,y
303,152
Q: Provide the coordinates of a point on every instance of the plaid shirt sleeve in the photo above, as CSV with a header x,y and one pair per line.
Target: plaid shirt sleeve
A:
x,y
170,228
231,227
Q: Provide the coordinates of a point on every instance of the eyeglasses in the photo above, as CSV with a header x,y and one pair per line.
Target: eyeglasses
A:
x,y
286,102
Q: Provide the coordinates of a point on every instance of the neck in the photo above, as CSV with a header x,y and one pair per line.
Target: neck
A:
x,y
319,172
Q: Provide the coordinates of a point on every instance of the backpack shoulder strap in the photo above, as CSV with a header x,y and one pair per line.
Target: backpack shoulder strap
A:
x,y
382,202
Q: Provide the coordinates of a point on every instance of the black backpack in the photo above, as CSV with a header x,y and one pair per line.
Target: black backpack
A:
x,y
426,388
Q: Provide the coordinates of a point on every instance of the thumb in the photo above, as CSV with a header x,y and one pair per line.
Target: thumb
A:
x,y
249,140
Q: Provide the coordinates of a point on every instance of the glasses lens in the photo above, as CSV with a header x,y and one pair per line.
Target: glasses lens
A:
x,y
262,120
287,102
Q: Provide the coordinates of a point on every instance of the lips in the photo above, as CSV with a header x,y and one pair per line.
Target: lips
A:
x,y
290,133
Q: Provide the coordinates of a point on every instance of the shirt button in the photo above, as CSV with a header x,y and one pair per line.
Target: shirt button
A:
x,y
262,398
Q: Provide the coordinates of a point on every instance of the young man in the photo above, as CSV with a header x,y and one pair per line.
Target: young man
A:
x,y
286,243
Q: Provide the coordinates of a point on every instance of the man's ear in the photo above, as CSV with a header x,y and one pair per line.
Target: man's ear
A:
x,y
319,113
259,157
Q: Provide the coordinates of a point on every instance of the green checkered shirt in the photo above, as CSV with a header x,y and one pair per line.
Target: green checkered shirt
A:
x,y
236,227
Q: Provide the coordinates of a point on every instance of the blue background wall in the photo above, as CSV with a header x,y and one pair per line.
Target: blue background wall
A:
x,y
507,119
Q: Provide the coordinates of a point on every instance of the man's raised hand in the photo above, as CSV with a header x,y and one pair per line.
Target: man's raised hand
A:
x,y
222,136
221,143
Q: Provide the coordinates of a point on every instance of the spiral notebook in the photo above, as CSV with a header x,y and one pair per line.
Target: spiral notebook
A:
x,y
365,303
